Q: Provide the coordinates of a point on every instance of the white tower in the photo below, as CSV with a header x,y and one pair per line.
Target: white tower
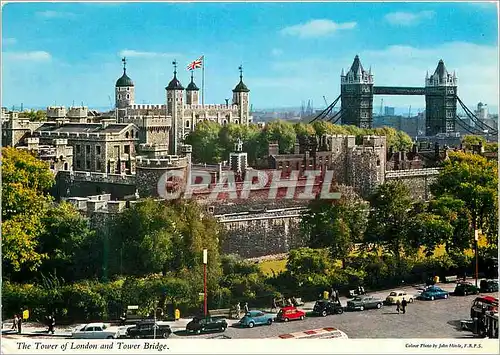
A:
x,y
241,98
175,95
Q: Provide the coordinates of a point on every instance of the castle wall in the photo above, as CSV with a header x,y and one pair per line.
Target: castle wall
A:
x,y
418,181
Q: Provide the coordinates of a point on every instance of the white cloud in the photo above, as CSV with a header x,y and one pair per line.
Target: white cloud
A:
x,y
408,18
316,28
9,41
30,56
276,52
143,54
54,14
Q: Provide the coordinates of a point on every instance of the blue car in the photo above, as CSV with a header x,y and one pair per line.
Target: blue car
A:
x,y
255,318
433,293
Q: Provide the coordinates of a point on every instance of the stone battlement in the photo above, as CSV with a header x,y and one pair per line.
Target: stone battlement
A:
x,y
210,107
147,107
169,161
398,174
98,177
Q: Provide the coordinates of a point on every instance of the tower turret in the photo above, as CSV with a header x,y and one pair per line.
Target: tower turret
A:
x,y
192,92
440,101
175,94
124,89
241,98
357,96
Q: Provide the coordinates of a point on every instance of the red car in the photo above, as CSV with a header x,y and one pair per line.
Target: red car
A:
x,y
290,313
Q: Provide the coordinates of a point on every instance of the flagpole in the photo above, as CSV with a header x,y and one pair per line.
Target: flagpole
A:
x,y
203,80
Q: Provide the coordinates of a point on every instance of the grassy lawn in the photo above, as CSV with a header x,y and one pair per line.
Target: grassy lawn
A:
x,y
268,266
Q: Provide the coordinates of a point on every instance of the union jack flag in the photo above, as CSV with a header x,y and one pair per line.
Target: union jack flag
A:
x,y
198,63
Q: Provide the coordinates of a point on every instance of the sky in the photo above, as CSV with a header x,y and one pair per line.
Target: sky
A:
x,y
65,53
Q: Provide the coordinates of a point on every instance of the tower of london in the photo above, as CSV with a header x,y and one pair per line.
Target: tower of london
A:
x,y
166,125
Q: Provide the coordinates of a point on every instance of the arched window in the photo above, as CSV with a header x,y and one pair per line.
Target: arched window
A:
x,y
224,122
128,96
237,121
119,97
187,124
126,135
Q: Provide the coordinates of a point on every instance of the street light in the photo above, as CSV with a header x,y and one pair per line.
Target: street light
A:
x,y
205,260
476,239
154,325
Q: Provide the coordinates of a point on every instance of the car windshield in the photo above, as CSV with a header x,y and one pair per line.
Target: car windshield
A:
x,y
249,314
393,294
357,299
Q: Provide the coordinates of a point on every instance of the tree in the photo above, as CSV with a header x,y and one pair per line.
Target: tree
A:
x,y
205,142
304,130
324,127
34,115
388,222
282,132
25,199
430,231
335,224
72,247
472,179
469,140
307,261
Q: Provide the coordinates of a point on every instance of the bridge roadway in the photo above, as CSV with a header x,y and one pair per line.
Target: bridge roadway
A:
x,y
394,90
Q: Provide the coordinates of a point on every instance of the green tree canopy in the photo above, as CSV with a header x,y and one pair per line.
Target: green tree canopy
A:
x,y
205,142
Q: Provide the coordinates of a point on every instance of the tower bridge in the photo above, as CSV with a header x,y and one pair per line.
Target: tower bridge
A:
x,y
441,97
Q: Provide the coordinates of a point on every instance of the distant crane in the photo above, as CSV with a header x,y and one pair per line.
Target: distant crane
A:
x,y
110,102
326,102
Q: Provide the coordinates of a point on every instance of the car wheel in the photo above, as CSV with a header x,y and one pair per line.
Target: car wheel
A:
x,y
410,300
340,311
362,308
379,305
223,329
286,319
301,317
198,331
137,337
324,313
465,293
166,335
110,337
432,298
269,321
250,325
445,296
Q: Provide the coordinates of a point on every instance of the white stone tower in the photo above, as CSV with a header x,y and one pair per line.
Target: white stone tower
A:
x,y
124,91
175,94
241,98
192,92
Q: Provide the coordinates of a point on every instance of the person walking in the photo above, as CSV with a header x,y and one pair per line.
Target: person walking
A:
x,y
404,303
238,310
53,324
246,307
274,305
398,306
19,324
14,324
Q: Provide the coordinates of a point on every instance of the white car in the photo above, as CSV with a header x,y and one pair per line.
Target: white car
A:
x,y
394,296
96,331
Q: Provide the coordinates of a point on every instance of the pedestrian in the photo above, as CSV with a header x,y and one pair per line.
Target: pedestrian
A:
x,y
49,323
274,305
14,324
398,305
404,303
19,324
53,324
246,307
336,292
332,294
238,310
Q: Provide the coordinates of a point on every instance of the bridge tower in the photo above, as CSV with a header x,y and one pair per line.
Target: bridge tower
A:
x,y
440,101
356,90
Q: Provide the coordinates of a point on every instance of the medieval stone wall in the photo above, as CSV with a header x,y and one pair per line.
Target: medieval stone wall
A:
x,y
418,181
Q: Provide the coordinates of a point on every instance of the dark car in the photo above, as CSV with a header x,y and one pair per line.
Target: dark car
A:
x,y
364,302
465,288
488,286
146,329
199,325
326,307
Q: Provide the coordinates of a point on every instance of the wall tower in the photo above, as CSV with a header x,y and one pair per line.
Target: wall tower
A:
x,y
124,91
175,94
192,92
241,98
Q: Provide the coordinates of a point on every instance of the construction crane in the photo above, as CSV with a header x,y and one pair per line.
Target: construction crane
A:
x,y
326,102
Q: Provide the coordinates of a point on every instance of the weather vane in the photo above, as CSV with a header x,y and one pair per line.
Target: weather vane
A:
x,y
175,66
124,60
240,68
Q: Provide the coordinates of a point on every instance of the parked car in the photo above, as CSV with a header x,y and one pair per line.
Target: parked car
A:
x,y
256,318
399,295
488,286
483,304
96,331
465,288
290,313
364,302
433,292
199,325
146,329
326,307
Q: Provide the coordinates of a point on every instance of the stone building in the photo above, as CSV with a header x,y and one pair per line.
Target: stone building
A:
x,y
98,147
16,129
169,123
59,155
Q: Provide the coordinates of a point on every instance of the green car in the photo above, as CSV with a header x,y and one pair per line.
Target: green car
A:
x,y
488,286
465,288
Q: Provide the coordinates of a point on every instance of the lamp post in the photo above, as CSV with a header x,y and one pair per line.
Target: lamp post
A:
x,y
476,239
205,260
154,325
